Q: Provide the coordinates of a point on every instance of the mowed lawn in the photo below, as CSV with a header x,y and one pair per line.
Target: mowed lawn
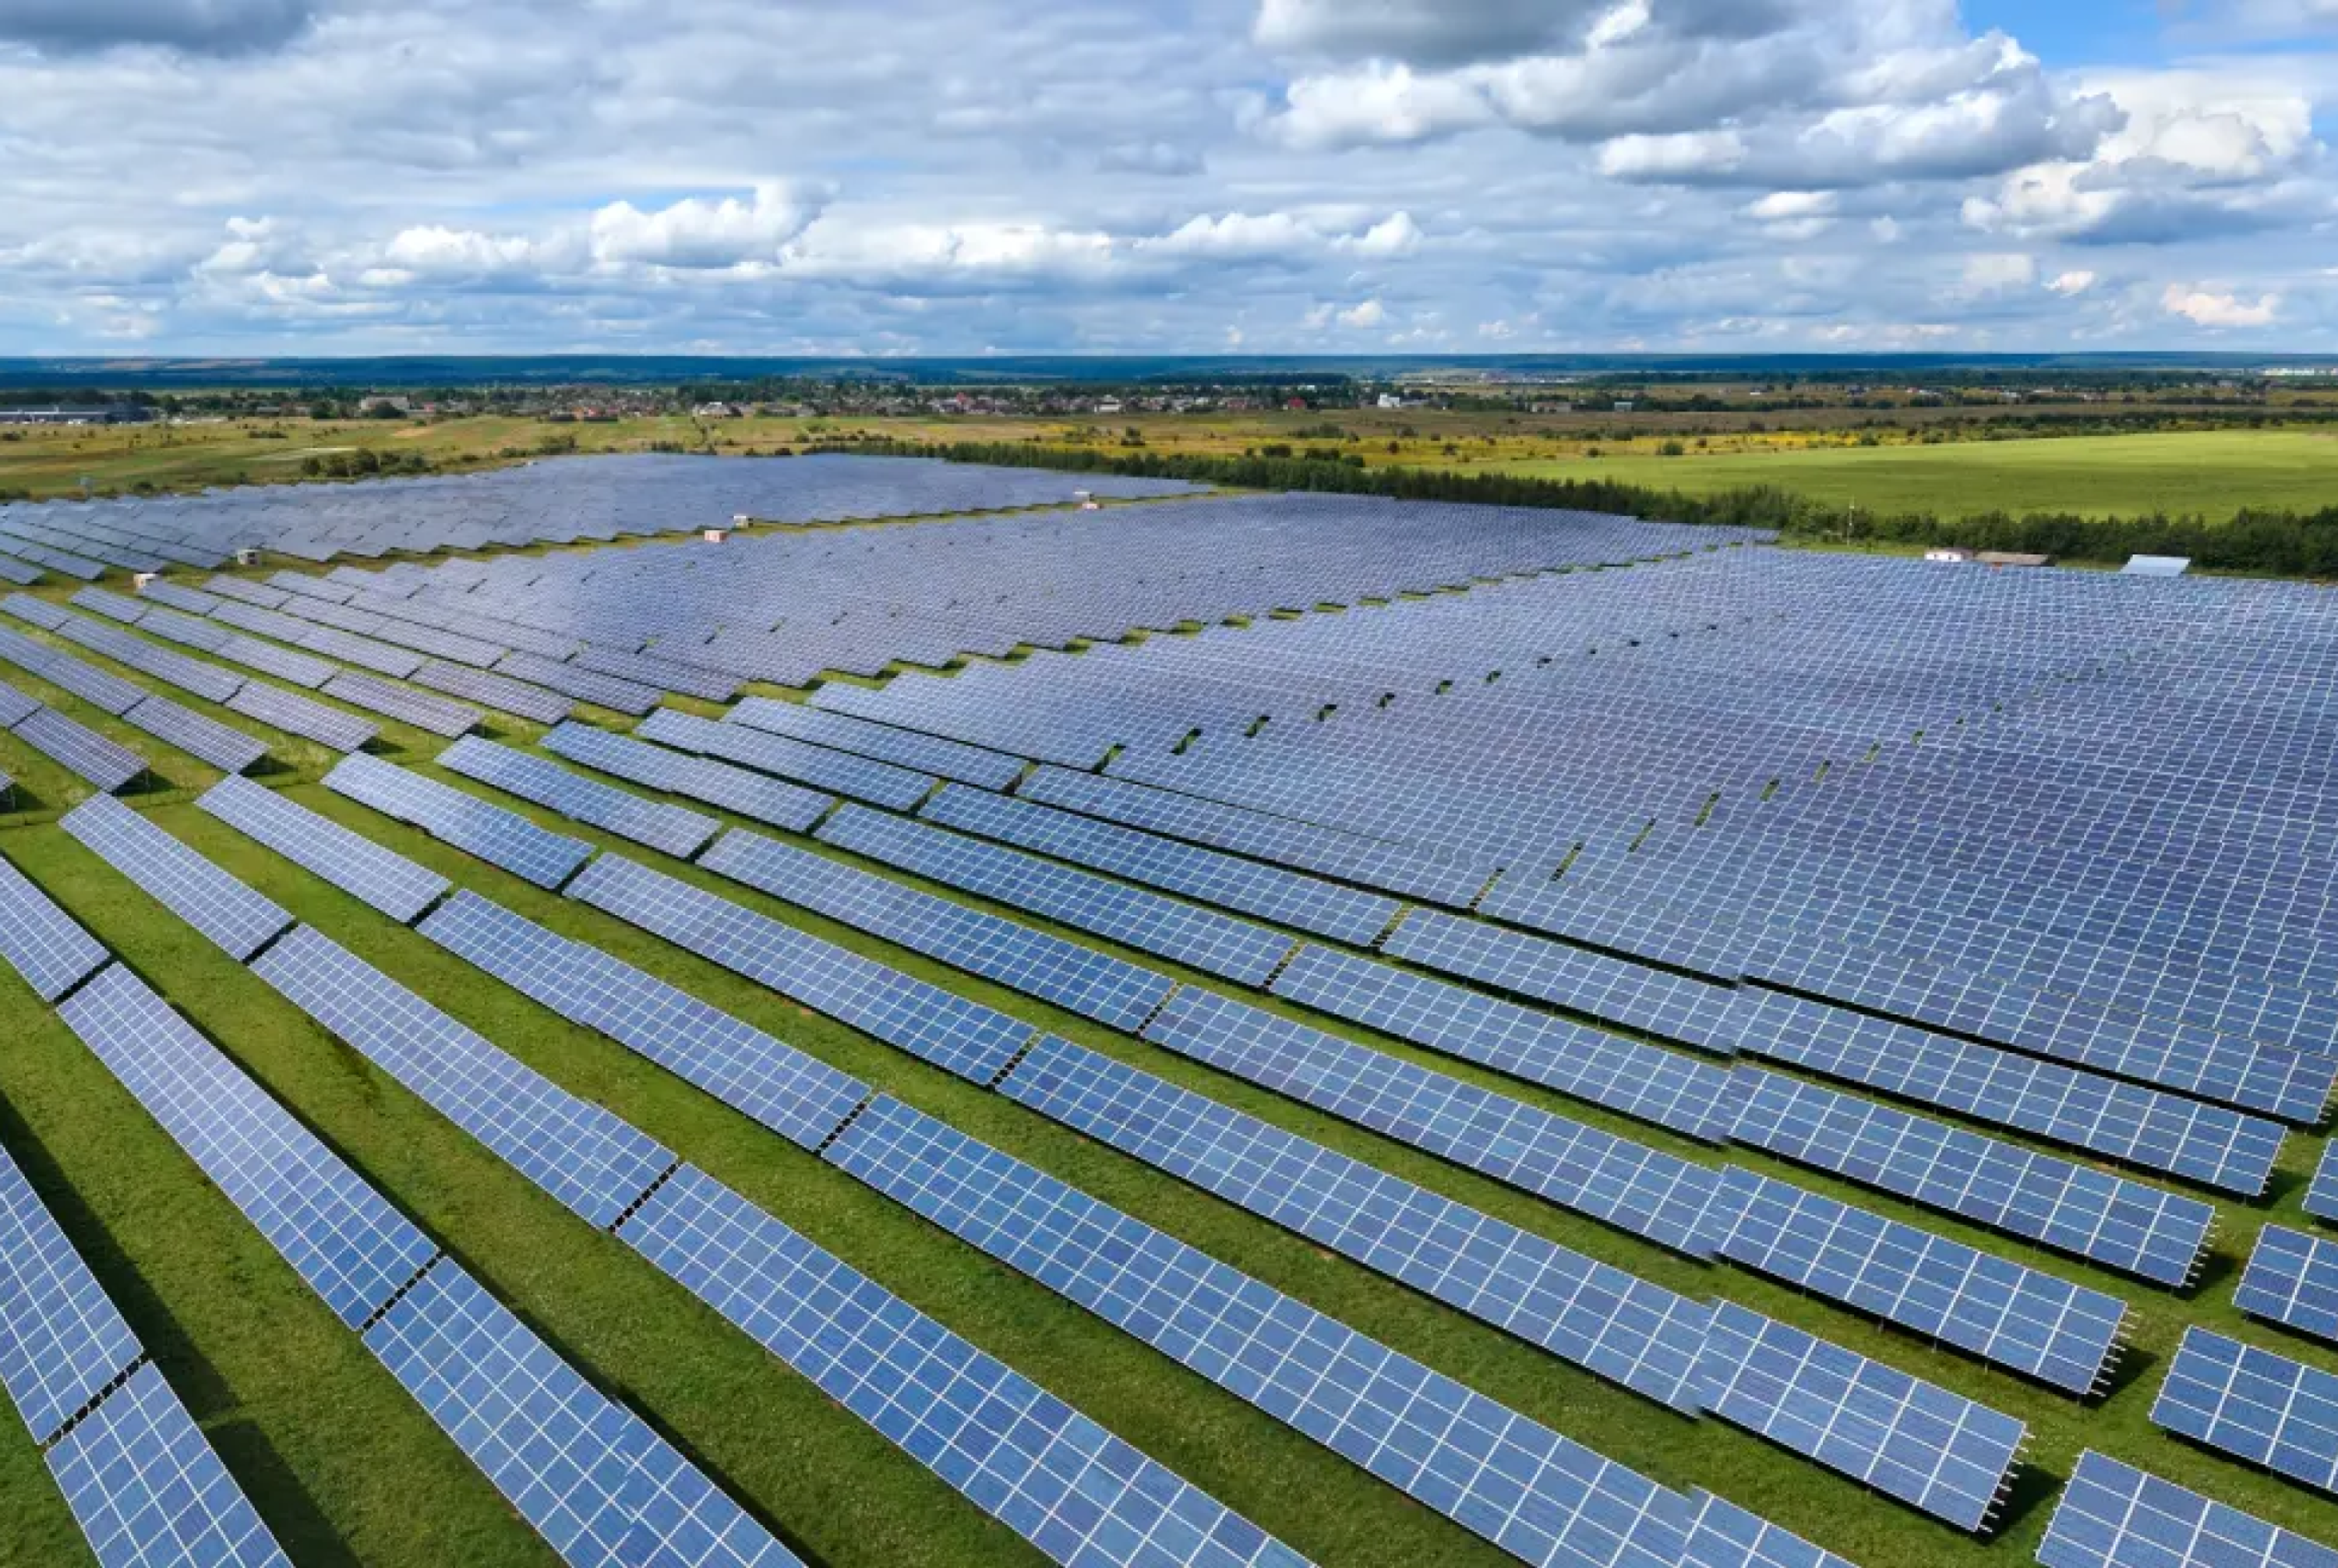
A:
x,y
2213,474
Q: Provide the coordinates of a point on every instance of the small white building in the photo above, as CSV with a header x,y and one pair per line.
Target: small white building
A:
x,y
2156,566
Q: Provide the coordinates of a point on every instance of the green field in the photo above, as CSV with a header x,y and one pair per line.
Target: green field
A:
x,y
349,1471
2209,474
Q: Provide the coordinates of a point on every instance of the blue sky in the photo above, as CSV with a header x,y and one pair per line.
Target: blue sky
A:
x,y
963,176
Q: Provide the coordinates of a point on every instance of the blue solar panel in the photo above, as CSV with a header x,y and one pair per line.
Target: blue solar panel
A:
x,y
1603,1319
904,748
1656,1085
732,788
598,1485
81,750
1488,1468
2321,1199
2255,1405
657,824
589,1159
2121,1224
40,941
435,715
2293,1279
1907,1438
2113,1515
1073,1490
338,1234
1270,892
498,835
148,1490
797,1096
1093,984
1693,1011
1206,940
2207,1143
1650,1193
61,1342
232,915
975,1042
205,739
860,777
302,716
1724,1535
1998,1309
348,860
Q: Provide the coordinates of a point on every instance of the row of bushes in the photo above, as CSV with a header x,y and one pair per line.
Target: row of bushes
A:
x,y
2282,544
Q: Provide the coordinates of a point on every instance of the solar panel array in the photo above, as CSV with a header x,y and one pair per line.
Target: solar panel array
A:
x,y
239,920
655,823
2113,1515
40,941
583,498
495,834
2255,1405
348,859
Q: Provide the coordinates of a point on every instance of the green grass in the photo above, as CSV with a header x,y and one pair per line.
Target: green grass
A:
x,y
347,1469
2213,474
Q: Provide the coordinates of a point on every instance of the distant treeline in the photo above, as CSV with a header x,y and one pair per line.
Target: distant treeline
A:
x,y
2275,543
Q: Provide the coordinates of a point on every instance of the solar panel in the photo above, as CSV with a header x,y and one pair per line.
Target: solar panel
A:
x,y
584,685
41,941
2207,1143
348,860
300,669
239,920
114,606
499,836
2137,1230
1674,1006
664,674
1652,1194
1287,897
2006,1313
797,1096
1486,1468
302,716
1631,1332
198,735
14,707
1908,1439
207,681
81,750
2293,1279
2113,1515
732,789
975,1042
61,1342
1724,1535
106,692
351,649
2321,1199
589,1475
904,748
39,612
419,709
499,692
22,573
657,824
593,1162
338,1234
1082,979
1206,940
2254,1404
147,1488
1065,1484
1647,1082
860,777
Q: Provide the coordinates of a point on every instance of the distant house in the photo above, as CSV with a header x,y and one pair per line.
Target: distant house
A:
x,y
715,411
2156,566
2012,558
1949,553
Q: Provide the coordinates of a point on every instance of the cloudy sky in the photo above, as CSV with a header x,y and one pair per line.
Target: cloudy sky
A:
x,y
965,176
